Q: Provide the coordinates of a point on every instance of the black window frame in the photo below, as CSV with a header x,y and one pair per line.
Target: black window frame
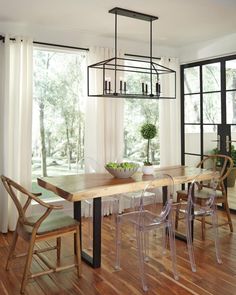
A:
x,y
222,60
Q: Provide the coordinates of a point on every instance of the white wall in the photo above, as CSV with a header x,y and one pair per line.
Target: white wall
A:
x,y
82,39
197,51
217,47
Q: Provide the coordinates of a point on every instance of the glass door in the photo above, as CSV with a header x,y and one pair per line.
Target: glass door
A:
x,y
230,126
208,113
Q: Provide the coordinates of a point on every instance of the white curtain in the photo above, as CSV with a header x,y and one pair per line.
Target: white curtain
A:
x,y
16,121
169,116
103,118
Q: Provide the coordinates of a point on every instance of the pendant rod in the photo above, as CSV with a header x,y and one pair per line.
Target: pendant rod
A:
x,y
115,49
151,56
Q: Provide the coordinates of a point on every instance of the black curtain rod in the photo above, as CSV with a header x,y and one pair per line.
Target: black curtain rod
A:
x,y
61,46
2,38
142,56
49,44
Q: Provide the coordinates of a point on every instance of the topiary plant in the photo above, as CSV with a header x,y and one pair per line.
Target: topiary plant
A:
x,y
148,131
232,155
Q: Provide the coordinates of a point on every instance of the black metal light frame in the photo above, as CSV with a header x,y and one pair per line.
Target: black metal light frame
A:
x,y
118,64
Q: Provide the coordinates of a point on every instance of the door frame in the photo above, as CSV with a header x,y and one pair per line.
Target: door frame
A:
x,y
223,92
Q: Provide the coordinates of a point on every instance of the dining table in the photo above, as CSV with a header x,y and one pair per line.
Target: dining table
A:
x,y
81,187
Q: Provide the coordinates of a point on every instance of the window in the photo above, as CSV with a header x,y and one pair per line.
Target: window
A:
x,y
208,98
58,113
202,92
136,113
209,112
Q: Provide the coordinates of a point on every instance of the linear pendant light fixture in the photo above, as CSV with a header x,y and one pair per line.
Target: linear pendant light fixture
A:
x,y
129,77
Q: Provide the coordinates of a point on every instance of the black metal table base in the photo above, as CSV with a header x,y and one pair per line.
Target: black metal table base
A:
x,y
95,260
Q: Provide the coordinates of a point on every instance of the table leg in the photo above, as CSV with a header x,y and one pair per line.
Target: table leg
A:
x,y
95,260
192,211
77,216
97,206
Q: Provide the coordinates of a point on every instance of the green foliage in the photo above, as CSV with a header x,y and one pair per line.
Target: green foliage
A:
x,y
59,92
124,165
233,153
148,131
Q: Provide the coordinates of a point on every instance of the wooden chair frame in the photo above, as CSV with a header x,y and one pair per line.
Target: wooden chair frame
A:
x,y
226,167
34,236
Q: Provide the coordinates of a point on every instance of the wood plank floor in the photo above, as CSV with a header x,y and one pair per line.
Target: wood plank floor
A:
x,y
210,277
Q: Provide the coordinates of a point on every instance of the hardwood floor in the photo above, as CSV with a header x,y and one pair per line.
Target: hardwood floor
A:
x,y
210,277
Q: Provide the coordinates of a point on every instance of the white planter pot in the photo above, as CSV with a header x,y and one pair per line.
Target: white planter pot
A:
x,y
148,170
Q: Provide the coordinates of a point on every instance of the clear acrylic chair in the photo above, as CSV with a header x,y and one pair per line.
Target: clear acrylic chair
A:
x,y
223,164
134,198
146,221
195,208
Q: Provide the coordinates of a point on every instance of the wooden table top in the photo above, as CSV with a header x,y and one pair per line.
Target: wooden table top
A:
x,y
84,186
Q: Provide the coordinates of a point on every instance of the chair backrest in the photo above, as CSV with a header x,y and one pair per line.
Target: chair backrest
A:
x,y
168,189
92,166
195,189
13,189
221,163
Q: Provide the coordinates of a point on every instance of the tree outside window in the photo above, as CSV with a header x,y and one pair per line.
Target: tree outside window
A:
x,y
58,112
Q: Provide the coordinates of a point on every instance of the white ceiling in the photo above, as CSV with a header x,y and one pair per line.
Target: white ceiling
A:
x,y
181,22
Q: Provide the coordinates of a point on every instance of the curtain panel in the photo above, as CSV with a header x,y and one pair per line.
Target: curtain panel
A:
x,y
104,119
169,118
16,121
